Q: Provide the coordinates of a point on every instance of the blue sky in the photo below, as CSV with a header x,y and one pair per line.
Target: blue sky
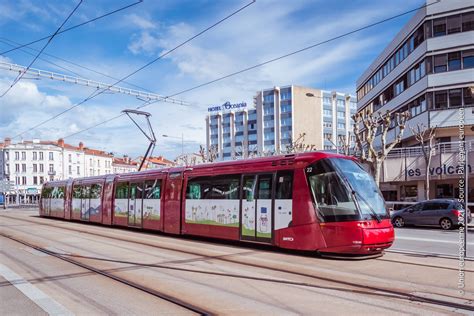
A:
x,y
121,43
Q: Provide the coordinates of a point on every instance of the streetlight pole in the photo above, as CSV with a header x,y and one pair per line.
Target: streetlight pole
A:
x,y
182,141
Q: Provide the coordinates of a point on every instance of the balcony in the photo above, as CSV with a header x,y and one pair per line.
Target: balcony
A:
x,y
51,173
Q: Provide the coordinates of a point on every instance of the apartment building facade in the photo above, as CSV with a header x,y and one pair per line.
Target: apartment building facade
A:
x,y
427,70
280,116
28,164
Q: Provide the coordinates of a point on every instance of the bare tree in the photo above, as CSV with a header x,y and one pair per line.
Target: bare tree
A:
x,y
425,136
298,145
186,160
209,155
377,125
345,144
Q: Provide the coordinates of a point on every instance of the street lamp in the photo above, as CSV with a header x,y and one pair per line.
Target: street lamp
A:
x,y
182,141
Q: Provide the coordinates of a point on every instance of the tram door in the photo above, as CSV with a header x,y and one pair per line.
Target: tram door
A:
x,y
135,207
257,208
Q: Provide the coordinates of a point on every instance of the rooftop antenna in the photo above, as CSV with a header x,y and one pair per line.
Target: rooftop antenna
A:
x,y
150,135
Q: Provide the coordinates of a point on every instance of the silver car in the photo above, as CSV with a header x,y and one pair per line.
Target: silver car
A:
x,y
440,212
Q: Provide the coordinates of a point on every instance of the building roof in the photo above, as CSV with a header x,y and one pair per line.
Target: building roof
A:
x,y
155,161
124,161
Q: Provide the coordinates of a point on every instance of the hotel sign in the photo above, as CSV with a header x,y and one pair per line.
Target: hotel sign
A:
x,y
227,107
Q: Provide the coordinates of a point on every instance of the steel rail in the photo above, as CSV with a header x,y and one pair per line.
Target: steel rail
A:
x,y
158,294
393,292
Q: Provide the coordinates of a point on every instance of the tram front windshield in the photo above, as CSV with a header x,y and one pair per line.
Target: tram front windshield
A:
x,y
343,191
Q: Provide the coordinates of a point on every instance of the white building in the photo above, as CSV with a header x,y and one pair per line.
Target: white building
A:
x,y
124,165
280,116
427,70
28,164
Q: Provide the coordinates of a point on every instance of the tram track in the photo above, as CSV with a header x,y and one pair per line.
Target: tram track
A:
x,y
158,294
366,289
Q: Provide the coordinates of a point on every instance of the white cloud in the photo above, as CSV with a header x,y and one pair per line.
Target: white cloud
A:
x,y
142,22
261,32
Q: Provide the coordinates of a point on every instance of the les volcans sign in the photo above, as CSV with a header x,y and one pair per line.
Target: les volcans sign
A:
x,y
445,170
227,107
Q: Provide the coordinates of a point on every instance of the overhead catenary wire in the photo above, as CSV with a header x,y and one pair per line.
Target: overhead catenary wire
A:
x,y
95,93
270,61
73,27
13,43
20,75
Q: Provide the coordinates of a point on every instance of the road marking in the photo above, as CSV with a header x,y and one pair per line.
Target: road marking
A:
x,y
45,302
432,240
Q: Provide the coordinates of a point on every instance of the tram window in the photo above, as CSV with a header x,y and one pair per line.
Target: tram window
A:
x,y
57,193
136,190
86,192
46,193
121,190
199,189
284,189
332,197
95,192
249,188
152,189
77,192
265,187
226,188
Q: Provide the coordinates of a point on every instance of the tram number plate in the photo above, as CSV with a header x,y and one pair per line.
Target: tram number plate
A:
x,y
309,169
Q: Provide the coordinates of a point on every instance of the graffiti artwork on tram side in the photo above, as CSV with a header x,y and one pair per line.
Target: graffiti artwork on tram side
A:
x,y
213,212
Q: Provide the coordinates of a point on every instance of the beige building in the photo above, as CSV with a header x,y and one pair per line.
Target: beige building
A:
x,y
280,116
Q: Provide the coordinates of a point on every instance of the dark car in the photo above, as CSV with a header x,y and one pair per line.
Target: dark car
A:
x,y
439,212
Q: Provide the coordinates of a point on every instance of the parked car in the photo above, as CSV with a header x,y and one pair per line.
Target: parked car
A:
x,y
439,212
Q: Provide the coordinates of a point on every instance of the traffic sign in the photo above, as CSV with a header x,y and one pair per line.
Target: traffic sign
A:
x,y
6,186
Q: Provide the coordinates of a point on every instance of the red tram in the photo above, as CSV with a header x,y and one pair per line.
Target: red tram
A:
x,y
312,201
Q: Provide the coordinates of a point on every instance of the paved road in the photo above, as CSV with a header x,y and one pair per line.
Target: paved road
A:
x,y
431,240
224,279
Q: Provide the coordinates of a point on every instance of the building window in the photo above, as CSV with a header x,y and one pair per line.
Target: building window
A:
x,y
441,100
41,166
454,61
468,21
40,155
440,63
439,27
468,97
41,180
70,169
341,114
23,155
468,59
35,180
455,98
341,125
23,180
78,170
35,167
17,167
454,24
327,112
23,167
35,155
51,168
70,158
51,155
